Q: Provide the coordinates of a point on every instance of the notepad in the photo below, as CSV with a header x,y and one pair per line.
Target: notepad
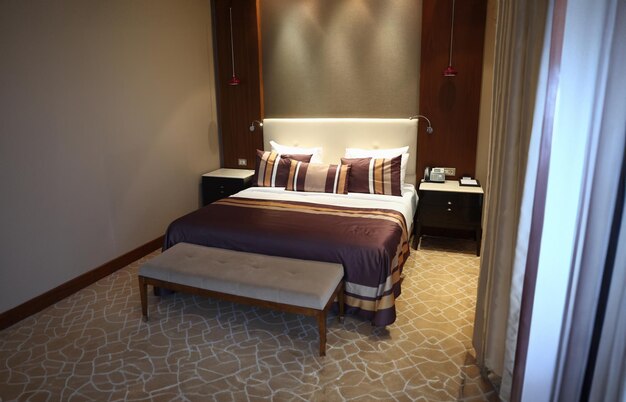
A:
x,y
468,181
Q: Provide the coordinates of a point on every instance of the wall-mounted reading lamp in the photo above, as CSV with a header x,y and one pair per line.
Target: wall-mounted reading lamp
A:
x,y
429,129
260,123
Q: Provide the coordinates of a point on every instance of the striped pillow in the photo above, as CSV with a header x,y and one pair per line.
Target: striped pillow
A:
x,y
272,168
375,175
318,177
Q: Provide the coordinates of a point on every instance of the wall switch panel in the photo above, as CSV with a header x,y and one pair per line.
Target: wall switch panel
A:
x,y
242,162
450,171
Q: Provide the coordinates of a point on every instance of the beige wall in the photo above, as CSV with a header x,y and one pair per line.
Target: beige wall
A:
x,y
349,58
107,118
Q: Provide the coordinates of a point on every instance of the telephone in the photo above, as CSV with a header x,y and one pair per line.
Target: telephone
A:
x,y
435,174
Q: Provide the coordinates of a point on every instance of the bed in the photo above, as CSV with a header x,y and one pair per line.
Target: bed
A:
x,y
367,233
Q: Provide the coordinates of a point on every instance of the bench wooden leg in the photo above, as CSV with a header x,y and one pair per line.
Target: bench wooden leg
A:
x,y
341,301
143,294
321,322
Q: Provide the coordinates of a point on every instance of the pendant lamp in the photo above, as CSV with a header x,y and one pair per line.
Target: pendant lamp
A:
x,y
451,71
233,80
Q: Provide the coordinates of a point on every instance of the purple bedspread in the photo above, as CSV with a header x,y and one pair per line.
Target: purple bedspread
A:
x,y
372,244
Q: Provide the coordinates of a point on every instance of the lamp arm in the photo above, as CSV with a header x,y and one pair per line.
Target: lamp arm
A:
x,y
260,123
429,129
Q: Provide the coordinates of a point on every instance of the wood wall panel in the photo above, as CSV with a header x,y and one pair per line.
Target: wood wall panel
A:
x,y
238,105
451,103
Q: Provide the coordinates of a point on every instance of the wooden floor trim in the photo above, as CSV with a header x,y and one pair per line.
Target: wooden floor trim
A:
x,y
72,286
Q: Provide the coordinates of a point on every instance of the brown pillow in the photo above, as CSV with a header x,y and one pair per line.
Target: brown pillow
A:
x,y
318,177
272,168
374,175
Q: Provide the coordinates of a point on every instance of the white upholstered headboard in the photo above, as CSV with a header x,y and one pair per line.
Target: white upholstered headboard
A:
x,y
335,135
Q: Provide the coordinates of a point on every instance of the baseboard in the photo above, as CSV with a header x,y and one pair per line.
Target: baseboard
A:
x,y
72,286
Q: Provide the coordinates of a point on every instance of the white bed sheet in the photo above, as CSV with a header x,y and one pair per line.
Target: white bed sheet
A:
x,y
406,205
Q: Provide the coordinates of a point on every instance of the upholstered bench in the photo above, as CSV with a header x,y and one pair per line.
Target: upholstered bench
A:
x,y
285,284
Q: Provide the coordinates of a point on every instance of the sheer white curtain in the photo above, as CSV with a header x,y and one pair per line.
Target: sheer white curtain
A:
x,y
520,31
583,124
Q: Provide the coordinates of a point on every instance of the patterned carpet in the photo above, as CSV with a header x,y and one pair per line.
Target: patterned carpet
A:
x,y
95,346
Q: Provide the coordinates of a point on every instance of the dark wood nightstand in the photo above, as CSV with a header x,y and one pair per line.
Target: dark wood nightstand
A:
x,y
221,183
450,206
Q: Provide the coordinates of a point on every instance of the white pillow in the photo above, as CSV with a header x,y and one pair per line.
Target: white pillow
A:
x,y
382,153
375,153
284,149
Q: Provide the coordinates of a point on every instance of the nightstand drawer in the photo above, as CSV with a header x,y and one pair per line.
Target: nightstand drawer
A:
x,y
449,216
223,186
444,208
216,186
438,197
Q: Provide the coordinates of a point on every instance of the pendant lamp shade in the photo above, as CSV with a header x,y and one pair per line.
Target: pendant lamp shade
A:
x,y
449,72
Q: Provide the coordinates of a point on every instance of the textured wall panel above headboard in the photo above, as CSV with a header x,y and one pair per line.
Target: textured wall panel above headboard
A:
x,y
334,135
341,58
